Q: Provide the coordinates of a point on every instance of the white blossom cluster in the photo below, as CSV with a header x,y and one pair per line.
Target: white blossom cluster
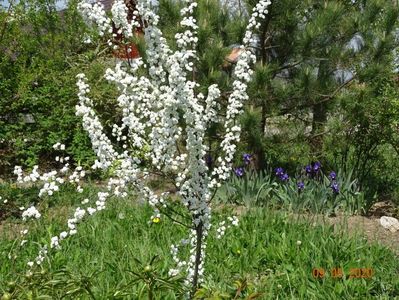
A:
x,y
242,75
50,185
53,179
221,230
33,177
51,182
126,172
94,13
23,233
180,264
119,16
54,242
78,216
162,109
59,146
40,257
100,142
31,212
76,176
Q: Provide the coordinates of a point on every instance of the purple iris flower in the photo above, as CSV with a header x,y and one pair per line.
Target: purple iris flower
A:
x,y
239,171
279,172
308,169
300,186
316,166
333,175
247,158
284,177
335,187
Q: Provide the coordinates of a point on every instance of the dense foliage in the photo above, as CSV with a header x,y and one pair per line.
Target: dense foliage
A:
x,y
42,51
326,89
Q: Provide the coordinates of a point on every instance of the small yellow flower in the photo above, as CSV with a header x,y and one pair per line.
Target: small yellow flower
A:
x,y
238,251
156,220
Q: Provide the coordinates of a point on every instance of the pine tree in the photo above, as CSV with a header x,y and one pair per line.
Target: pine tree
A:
x,y
310,54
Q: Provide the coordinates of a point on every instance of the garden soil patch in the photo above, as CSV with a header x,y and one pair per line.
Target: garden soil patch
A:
x,y
369,227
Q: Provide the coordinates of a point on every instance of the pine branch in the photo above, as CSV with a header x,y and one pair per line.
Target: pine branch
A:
x,y
337,90
325,98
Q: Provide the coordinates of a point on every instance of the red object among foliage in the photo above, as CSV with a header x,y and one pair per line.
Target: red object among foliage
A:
x,y
127,52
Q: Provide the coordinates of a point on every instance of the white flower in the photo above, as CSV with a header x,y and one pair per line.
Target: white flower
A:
x,y
173,272
91,210
87,39
54,242
63,235
31,212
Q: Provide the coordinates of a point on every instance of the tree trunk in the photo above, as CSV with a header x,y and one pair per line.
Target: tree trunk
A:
x,y
320,109
198,256
319,120
260,155
260,162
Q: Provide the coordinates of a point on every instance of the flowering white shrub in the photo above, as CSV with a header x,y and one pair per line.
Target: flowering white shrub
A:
x,y
165,113
154,109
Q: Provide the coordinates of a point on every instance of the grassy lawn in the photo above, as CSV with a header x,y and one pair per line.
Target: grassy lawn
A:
x,y
270,253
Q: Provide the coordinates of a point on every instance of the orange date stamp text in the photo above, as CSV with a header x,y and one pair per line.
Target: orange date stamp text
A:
x,y
320,273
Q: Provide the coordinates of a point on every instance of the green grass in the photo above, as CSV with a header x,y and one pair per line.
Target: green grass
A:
x,y
263,250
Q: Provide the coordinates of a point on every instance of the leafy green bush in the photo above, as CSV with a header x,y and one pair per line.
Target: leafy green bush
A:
x,y
364,136
43,53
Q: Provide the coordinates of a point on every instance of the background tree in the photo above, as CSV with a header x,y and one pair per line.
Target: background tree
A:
x,y
313,56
